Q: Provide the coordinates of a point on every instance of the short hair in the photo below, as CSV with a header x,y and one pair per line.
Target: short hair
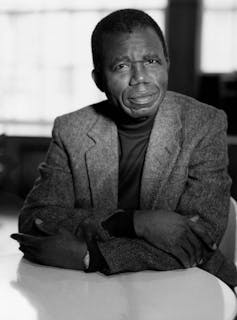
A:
x,y
122,21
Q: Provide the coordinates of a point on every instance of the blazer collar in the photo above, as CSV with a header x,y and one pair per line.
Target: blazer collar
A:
x,y
162,152
102,157
102,163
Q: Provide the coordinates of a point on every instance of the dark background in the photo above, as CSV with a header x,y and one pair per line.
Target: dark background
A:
x,y
20,156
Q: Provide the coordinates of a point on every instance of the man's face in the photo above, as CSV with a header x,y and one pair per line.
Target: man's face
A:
x,y
135,72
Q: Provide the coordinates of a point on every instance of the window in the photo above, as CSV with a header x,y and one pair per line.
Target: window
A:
x,y
219,40
45,58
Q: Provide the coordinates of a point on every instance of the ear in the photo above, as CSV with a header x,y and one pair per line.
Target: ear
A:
x,y
97,77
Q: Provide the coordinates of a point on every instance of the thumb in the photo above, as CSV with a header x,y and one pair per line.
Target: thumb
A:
x,y
41,226
38,221
194,218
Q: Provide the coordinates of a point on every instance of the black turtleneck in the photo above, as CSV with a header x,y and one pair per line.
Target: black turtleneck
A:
x,y
133,140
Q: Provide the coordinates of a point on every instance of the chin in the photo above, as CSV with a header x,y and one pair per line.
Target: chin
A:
x,y
142,112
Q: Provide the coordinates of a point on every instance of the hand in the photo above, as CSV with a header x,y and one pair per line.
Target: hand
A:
x,y
60,250
169,231
89,229
199,230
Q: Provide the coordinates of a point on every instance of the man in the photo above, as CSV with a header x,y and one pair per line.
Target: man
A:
x,y
135,182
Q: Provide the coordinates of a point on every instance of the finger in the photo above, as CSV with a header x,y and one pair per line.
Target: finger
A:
x,y
194,218
197,247
26,239
202,252
42,228
182,257
190,252
202,234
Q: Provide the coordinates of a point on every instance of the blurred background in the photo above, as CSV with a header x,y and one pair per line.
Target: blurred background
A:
x,y
46,63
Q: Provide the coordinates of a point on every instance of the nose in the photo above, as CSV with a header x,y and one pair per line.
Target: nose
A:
x,y
138,73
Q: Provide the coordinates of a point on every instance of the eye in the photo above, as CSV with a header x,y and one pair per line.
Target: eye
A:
x,y
121,67
153,61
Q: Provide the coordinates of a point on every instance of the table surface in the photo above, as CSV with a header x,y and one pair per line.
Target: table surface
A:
x,y
33,292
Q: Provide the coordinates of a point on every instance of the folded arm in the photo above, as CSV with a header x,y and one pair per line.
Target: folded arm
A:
x,y
52,200
194,231
206,195
207,191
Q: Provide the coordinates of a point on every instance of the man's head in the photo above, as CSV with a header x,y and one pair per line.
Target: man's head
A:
x,y
131,61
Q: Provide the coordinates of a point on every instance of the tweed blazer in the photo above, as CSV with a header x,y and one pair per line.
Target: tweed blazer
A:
x,y
185,171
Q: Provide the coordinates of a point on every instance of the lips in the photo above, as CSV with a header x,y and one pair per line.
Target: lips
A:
x,y
142,98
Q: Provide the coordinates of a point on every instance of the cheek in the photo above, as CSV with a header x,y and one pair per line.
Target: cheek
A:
x,y
160,77
116,86
163,78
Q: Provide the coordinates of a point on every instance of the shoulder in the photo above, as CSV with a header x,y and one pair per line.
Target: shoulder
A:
x,y
195,114
79,121
80,116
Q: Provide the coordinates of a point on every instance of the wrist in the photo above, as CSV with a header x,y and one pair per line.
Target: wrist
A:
x,y
86,260
120,224
97,261
79,255
137,224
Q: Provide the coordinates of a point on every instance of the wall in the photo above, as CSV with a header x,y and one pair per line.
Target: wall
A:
x,y
20,158
183,30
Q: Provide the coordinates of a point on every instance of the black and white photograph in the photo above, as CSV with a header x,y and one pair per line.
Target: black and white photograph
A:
x,y
118,160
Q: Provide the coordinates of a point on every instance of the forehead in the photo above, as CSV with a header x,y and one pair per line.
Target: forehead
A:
x,y
137,43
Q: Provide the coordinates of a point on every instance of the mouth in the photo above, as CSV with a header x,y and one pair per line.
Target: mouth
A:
x,y
142,99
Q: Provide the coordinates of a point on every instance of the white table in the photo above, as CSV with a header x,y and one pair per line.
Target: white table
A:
x,y
32,292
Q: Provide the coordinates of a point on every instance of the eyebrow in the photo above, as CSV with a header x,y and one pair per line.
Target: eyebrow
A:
x,y
126,58
119,58
152,55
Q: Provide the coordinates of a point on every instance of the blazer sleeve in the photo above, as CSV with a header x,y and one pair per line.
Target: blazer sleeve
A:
x,y
52,197
207,190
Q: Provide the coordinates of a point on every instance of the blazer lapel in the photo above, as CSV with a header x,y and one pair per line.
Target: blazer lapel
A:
x,y
102,164
162,152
